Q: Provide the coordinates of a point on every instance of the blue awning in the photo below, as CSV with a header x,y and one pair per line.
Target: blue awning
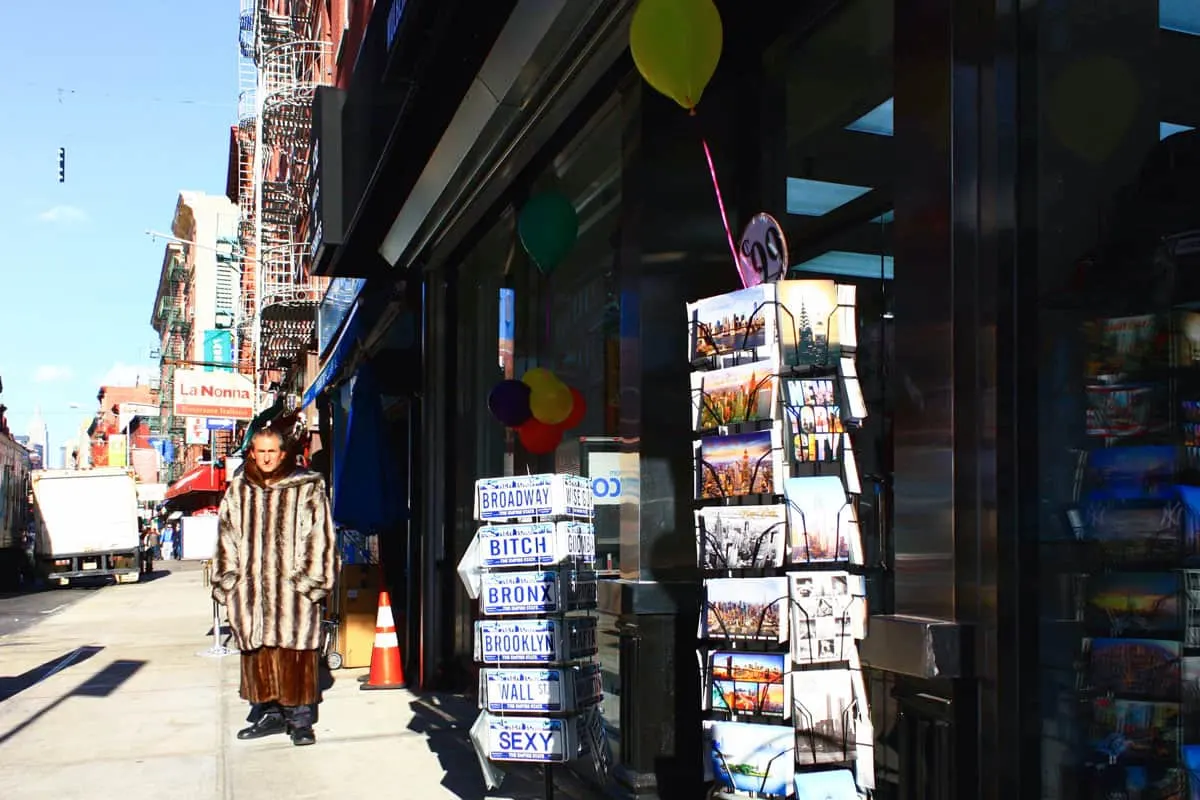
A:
x,y
339,354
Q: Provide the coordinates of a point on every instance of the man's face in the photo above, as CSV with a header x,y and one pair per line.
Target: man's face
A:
x,y
267,453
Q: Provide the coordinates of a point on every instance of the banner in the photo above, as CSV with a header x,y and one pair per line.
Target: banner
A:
x,y
118,450
213,394
218,349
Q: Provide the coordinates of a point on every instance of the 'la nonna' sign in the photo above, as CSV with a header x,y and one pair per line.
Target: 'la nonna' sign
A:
x,y
213,394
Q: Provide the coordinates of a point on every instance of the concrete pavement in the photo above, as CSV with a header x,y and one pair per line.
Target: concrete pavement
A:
x,y
19,610
108,698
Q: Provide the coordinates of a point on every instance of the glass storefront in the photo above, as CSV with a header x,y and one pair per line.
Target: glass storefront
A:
x,y
1115,215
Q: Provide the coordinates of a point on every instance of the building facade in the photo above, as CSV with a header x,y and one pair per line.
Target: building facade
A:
x,y
197,311
1009,188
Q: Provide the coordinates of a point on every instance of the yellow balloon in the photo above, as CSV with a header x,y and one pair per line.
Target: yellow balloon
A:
x,y
676,45
540,376
551,403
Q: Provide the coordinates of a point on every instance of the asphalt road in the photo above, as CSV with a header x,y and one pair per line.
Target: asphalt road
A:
x,y
19,611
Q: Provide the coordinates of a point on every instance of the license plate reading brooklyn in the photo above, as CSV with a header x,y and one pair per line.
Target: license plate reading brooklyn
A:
x,y
524,690
528,739
520,593
523,641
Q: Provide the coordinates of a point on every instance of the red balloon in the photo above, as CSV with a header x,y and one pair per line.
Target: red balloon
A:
x,y
538,437
578,410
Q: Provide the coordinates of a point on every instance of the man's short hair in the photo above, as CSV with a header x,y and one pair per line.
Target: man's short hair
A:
x,y
268,432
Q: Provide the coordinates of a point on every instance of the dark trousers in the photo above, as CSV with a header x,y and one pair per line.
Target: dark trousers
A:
x,y
295,716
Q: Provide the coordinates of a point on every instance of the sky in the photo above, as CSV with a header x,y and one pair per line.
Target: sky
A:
x,y
141,93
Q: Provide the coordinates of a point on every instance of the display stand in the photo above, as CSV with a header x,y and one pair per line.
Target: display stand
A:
x,y
531,567
217,650
775,400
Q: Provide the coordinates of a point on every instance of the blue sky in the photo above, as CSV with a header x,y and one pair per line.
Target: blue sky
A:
x,y
149,90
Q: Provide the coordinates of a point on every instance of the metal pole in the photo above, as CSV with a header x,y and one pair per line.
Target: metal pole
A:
x,y
549,782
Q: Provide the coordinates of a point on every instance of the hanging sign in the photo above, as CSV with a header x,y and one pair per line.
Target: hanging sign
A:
x,y
534,641
544,739
535,544
525,496
763,251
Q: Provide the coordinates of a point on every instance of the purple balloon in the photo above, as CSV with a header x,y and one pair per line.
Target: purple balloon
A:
x,y
509,403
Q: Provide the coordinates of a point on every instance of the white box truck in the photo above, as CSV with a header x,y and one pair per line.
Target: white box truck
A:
x,y
86,523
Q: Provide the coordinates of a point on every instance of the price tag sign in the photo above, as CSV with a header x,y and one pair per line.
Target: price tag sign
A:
x,y
763,250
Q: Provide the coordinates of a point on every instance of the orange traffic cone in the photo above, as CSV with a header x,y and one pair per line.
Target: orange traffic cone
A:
x,y
386,669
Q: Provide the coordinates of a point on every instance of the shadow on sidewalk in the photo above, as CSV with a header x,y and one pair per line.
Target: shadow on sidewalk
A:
x,y
102,684
445,720
15,684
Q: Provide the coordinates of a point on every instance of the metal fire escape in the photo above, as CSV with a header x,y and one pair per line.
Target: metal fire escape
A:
x,y
173,325
275,112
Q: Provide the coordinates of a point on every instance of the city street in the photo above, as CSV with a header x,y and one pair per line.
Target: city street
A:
x,y
19,611
109,696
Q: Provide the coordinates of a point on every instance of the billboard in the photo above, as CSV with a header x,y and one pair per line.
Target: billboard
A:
x,y
212,394
218,349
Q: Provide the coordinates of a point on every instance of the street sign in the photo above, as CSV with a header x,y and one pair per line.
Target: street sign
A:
x,y
542,592
530,496
541,739
219,424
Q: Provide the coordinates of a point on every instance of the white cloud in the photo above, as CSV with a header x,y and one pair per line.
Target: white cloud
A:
x,y
63,214
122,374
49,373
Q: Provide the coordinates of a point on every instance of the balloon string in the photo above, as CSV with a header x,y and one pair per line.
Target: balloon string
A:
x,y
712,170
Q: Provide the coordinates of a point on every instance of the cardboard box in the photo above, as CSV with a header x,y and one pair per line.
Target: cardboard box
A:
x,y
358,603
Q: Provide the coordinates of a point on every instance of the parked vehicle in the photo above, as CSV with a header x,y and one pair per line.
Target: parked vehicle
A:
x,y
86,524
14,513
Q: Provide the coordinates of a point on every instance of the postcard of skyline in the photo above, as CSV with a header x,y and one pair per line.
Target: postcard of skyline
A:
x,y
743,302
728,449
758,662
1168,647
760,591
735,377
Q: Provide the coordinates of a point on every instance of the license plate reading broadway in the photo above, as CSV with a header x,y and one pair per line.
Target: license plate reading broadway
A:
x,y
526,496
529,739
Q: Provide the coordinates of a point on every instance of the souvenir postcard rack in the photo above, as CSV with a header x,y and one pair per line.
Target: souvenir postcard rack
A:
x,y
775,403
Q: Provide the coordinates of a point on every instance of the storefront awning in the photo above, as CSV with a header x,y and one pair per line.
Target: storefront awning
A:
x,y
339,355
204,478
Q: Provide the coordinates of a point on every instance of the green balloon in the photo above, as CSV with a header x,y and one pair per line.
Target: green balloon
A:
x,y
548,227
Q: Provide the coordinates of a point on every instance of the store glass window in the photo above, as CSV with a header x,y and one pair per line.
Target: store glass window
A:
x,y
1113,209
513,316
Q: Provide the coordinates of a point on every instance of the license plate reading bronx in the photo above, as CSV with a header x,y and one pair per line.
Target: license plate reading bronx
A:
x,y
521,593
530,739
535,544
528,496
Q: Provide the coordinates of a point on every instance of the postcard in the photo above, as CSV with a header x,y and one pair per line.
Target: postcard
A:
x,y
740,464
831,784
823,523
1132,603
745,608
1135,730
732,327
1132,473
1119,347
748,683
1120,412
744,393
854,405
741,537
1136,530
827,604
1137,782
824,712
813,413
753,758
1190,691
847,317
808,322
1147,669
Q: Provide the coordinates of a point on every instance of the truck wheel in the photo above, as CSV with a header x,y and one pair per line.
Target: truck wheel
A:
x,y
334,660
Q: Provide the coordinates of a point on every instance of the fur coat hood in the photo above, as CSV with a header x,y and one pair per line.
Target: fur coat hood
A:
x,y
276,558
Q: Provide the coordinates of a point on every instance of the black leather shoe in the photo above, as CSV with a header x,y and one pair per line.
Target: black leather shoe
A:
x,y
267,725
303,736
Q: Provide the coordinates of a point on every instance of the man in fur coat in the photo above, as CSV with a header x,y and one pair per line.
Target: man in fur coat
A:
x,y
276,561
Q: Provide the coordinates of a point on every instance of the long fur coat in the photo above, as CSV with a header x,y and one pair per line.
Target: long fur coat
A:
x,y
276,558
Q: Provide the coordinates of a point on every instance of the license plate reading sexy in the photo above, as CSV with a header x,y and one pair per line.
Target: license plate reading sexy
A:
x,y
528,739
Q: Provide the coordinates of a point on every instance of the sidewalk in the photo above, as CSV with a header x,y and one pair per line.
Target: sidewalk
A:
x,y
109,698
